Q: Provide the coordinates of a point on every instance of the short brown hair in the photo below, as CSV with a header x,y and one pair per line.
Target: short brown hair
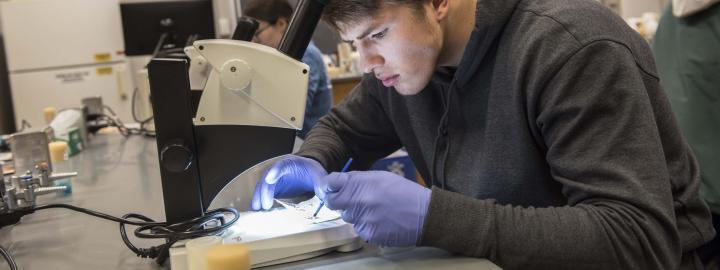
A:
x,y
345,12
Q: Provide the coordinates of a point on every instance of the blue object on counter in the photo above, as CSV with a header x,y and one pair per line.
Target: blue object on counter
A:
x,y
66,183
399,164
4,146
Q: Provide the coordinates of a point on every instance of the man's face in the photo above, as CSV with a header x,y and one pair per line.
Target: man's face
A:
x,y
400,45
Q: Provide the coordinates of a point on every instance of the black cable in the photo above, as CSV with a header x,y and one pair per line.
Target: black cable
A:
x,y
95,214
132,106
113,120
8,258
191,39
23,125
159,44
124,130
110,110
150,229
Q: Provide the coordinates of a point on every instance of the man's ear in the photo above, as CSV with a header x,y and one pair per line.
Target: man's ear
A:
x,y
281,23
441,8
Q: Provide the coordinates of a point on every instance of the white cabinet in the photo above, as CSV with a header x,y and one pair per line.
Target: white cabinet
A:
x,y
64,88
59,52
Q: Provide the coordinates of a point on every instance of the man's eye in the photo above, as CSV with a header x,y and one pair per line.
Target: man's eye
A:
x,y
380,35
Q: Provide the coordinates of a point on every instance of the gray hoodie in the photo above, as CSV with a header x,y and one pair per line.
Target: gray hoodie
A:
x,y
551,146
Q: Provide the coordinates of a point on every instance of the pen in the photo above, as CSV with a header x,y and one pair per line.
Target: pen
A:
x,y
344,169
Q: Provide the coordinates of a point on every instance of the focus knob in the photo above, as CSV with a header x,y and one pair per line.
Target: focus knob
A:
x,y
176,158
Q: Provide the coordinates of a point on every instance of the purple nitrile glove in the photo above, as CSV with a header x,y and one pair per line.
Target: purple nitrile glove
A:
x,y
288,177
386,209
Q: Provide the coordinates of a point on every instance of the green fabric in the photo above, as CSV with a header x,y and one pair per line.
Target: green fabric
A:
x,y
687,53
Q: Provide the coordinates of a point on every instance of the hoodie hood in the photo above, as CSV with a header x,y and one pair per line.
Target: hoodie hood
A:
x,y
490,18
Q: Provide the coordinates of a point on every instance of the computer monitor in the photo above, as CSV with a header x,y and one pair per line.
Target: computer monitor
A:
x,y
175,22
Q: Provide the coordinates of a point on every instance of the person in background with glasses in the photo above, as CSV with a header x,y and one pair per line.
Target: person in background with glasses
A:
x,y
274,18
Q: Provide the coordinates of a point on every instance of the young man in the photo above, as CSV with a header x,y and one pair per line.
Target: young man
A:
x,y
274,17
540,125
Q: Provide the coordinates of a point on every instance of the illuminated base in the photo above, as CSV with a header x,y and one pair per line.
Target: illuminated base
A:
x,y
281,236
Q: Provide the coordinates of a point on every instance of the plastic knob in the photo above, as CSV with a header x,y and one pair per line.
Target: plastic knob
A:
x,y
176,158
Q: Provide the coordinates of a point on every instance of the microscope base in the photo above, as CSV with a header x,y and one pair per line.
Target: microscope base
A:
x,y
281,236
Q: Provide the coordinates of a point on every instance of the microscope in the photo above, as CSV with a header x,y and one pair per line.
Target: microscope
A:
x,y
215,144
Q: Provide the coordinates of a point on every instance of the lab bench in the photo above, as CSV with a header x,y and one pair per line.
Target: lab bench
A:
x,y
342,85
120,175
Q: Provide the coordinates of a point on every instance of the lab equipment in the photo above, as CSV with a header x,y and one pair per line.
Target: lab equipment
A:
x,y
344,169
199,67
57,52
386,209
228,142
30,148
142,31
31,154
71,126
318,209
19,198
281,234
96,118
239,121
170,24
25,189
290,177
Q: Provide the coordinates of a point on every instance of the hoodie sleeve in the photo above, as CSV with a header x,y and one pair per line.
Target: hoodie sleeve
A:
x,y
358,127
605,146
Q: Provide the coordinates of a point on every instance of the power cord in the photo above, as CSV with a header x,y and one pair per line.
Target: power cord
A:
x,y
23,125
113,121
142,122
8,258
133,107
212,223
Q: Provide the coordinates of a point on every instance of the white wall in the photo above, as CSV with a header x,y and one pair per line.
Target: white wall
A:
x,y
634,8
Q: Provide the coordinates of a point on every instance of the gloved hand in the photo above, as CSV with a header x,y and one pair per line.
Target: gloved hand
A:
x,y
387,209
289,177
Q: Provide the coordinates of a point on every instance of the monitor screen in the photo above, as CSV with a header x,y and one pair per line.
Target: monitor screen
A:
x,y
145,23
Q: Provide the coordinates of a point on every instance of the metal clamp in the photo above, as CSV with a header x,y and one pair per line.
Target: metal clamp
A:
x,y
25,188
46,176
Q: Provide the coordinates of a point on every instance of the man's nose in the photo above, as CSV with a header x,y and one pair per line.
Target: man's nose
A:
x,y
370,60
